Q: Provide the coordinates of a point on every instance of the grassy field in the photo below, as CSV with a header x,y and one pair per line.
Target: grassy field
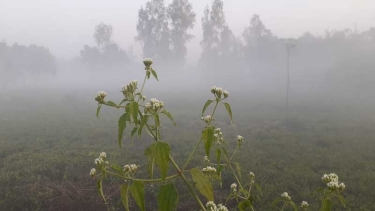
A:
x,y
49,142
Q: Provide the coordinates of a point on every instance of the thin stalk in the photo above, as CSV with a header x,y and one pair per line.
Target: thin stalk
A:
x,y
234,173
283,206
143,85
181,174
234,152
200,141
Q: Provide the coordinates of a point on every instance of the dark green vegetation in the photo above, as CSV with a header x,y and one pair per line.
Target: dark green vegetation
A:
x,y
48,148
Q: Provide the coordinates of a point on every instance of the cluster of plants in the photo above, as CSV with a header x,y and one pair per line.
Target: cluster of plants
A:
x,y
146,116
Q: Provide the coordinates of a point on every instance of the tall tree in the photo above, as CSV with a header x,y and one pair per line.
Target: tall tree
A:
x,y
289,45
182,17
103,35
153,30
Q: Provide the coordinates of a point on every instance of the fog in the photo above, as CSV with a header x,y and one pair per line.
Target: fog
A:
x,y
242,46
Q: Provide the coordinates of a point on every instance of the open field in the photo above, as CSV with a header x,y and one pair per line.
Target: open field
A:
x,y
49,142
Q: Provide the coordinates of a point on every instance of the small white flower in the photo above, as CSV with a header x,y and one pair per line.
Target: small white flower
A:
x,y
92,172
239,138
233,187
285,196
211,206
221,207
103,155
304,204
205,159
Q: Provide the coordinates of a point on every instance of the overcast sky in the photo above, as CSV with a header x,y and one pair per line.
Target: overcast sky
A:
x,y
66,25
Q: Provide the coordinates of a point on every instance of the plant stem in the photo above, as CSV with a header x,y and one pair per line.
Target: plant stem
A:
x,y
283,206
143,85
234,173
181,174
199,142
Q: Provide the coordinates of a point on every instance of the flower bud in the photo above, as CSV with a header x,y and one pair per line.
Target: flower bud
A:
x,y
93,172
225,93
304,205
147,62
100,96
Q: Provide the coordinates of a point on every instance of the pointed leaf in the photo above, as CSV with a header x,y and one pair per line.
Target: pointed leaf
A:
x,y
121,127
169,115
218,155
133,106
100,189
142,124
202,183
154,74
117,168
206,106
227,106
137,189
124,195
276,201
133,132
110,103
257,186
159,151
327,205
208,137
98,110
123,101
342,199
167,197
243,205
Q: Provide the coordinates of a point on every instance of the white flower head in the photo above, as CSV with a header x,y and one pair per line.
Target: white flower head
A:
x,y
211,206
93,172
147,62
304,204
233,187
207,118
103,155
206,159
221,207
285,196
239,138
100,96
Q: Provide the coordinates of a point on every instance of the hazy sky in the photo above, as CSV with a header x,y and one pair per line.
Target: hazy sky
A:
x,y
66,25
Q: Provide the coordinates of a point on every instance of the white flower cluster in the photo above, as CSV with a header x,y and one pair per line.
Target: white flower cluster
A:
x,y
101,158
209,170
239,138
252,177
93,172
147,62
100,96
219,92
233,187
154,105
333,184
218,135
211,206
286,197
129,89
206,159
132,168
304,205
207,118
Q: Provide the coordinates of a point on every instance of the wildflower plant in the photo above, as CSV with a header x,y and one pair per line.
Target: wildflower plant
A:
x,y
146,115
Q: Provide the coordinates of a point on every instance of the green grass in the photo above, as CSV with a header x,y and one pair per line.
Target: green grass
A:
x,y
49,143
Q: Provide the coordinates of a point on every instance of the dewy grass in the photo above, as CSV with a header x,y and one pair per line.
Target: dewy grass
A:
x,y
146,116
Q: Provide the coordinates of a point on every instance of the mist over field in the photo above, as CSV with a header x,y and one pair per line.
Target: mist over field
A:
x,y
300,77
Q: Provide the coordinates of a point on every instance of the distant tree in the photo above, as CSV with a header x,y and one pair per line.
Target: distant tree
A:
x,y
153,30
103,35
107,53
289,45
182,18
220,48
258,41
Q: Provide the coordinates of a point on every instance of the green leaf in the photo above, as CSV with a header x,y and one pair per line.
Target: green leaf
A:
x,y
167,197
98,110
206,106
202,183
218,155
169,115
110,103
135,129
124,195
123,101
137,189
342,199
327,205
154,74
276,201
227,106
294,206
243,205
319,190
238,168
121,127
117,168
159,151
142,124
208,137
100,189
257,186
133,106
